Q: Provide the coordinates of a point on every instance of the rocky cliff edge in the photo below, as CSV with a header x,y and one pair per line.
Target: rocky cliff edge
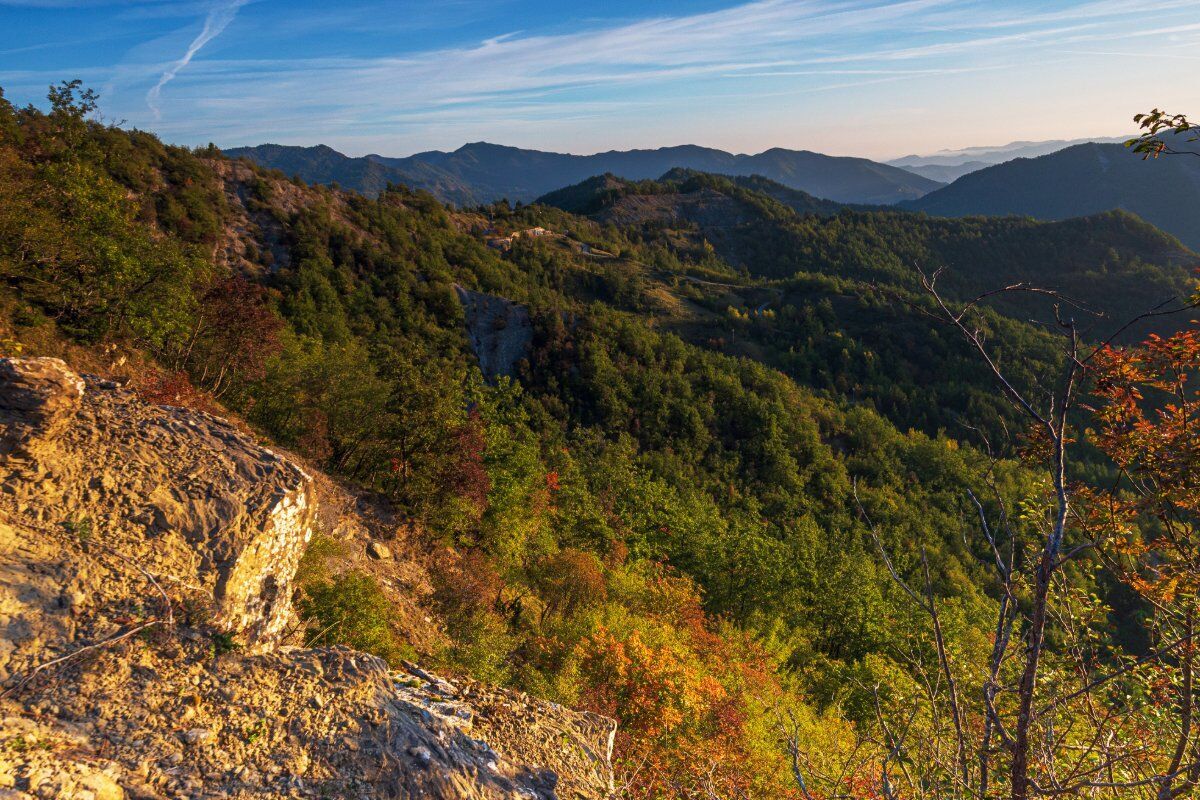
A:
x,y
147,634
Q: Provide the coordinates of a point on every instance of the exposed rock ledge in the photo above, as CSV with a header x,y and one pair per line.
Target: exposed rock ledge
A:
x,y
129,534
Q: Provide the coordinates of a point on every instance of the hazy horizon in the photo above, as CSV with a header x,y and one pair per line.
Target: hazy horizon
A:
x,y
870,78
882,159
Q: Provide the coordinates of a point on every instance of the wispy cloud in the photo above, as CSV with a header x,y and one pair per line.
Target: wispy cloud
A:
x,y
218,18
366,81
752,36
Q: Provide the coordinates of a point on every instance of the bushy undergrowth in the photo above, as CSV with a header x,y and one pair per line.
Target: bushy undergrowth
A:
x,y
346,607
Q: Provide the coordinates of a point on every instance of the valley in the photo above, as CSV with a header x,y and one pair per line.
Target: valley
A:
x,y
699,476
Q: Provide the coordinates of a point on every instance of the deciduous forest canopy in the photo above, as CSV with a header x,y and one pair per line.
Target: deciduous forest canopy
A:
x,y
751,487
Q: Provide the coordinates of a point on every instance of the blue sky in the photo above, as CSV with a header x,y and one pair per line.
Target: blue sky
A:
x,y
878,78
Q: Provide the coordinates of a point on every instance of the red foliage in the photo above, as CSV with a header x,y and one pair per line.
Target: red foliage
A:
x,y
473,482
467,585
465,474
236,332
168,388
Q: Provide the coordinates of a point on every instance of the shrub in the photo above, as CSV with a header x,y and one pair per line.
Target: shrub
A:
x,y
570,580
481,649
167,388
351,609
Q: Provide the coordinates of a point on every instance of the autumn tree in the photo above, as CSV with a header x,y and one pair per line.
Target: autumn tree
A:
x,y
1147,416
232,334
569,580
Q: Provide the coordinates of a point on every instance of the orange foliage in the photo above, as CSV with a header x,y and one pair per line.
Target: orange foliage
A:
x,y
1147,418
569,580
683,690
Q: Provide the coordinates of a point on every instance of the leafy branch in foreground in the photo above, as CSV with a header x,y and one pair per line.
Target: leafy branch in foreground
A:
x,y
1156,126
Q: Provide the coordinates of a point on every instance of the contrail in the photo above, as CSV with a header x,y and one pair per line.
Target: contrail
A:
x,y
218,18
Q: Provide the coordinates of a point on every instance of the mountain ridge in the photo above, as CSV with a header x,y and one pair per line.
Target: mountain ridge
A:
x,y
1077,181
480,172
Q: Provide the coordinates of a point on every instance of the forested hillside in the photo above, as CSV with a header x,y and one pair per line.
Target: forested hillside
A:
x,y
1084,179
1114,263
673,511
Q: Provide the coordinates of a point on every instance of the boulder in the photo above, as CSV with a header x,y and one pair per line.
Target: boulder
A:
x,y
179,492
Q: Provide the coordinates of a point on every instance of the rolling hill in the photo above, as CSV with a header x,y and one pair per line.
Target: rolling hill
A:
x,y
1080,180
595,194
1113,261
482,172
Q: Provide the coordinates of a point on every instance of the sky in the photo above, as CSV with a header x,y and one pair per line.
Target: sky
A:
x,y
874,78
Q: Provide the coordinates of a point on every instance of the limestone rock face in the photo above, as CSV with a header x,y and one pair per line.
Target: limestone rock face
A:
x,y
499,330
37,395
325,722
137,544
182,493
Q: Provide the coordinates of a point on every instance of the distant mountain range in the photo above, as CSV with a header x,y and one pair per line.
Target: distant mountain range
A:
x,y
1044,180
482,172
949,165
946,173
1080,180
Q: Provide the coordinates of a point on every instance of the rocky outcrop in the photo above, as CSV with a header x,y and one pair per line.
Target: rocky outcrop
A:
x,y
146,562
181,493
500,331
37,397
